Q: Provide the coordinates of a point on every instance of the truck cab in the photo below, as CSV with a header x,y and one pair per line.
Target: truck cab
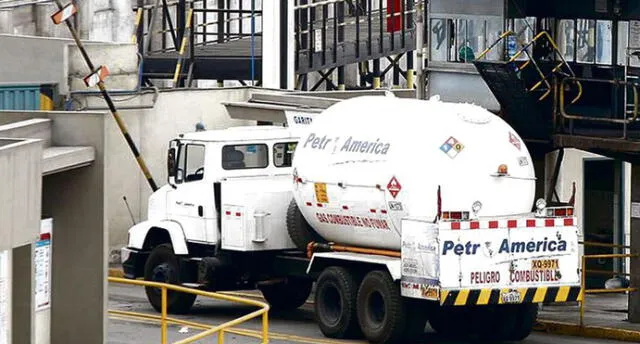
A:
x,y
227,192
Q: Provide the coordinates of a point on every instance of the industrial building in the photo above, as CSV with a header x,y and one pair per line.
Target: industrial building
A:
x,y
566,80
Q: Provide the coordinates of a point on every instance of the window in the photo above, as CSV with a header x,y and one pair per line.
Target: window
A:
x,y
283,153
585,40
190,163
239,157
566,39
463,40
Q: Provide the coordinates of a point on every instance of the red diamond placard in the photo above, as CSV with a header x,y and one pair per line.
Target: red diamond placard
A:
x,y
394,187
514,140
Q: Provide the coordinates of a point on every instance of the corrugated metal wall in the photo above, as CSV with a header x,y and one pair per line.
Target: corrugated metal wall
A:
x,y
20,97
26,97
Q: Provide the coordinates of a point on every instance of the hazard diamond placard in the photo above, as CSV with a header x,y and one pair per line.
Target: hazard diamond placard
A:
x,y
394,187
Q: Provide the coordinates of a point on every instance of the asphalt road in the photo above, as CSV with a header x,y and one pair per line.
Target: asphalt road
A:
x,y
289,327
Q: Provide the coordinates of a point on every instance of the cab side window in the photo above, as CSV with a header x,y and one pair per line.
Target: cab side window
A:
x,y
190,163
283,153
240,157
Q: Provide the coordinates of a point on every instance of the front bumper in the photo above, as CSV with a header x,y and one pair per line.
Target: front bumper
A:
x,y
133,262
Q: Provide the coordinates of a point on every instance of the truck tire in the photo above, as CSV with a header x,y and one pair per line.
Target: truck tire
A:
x,y
450,321
416,320
163,266
299,230
381,311
525,320
335,303
288,295
498,322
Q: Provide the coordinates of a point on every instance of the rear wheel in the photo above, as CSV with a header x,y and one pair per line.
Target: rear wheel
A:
x,y
288,295
381,312
416,320
451,321
163,266
335,303
525,320
497,322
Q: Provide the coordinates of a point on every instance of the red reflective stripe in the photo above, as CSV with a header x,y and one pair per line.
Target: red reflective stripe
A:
x,y
475,225
455,225
238,214
319,205
512,224
549,223
493,224
345,207
531,223
227,213
309,204
568,222
383,211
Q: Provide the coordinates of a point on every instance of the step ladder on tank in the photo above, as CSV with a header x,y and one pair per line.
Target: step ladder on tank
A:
x,y
523,83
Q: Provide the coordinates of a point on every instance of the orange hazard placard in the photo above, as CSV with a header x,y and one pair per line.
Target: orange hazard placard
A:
x,y
321,192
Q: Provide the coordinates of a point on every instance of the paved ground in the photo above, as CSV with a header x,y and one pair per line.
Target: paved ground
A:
x,y
285,327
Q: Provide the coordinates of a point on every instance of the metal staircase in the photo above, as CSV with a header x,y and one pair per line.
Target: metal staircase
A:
x,y
523,84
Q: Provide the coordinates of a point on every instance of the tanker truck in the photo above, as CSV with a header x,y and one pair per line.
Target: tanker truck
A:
x,y
400,211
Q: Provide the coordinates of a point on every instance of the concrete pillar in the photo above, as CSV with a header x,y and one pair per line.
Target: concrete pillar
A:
x,y
634,298
6,21
22,312
5,295
76,201
278,44
85,18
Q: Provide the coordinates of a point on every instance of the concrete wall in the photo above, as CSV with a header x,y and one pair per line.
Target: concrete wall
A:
x,y
76,201
100,20
32,59
572,170
20,171
175,112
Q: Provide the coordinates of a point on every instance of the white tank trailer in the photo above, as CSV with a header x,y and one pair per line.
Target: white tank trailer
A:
x,y
399,211
376,160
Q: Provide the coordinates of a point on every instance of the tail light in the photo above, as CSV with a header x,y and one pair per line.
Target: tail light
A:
x,y
455,216
559,212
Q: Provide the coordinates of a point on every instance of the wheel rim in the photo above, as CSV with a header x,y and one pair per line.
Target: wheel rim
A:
x,y
161,273
376,309
331,306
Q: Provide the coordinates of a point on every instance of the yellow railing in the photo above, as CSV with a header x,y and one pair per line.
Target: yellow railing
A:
x,y
585,271
207,330
544,79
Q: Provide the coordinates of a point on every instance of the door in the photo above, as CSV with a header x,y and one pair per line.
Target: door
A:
x,y
599,204
191,203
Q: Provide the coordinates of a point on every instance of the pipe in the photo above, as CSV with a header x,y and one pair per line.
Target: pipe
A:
x,y
313,246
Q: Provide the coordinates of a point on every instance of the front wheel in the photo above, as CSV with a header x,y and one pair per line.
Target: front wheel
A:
x,y
163,266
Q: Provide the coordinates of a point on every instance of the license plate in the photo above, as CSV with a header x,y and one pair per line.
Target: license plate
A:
x,y
510,297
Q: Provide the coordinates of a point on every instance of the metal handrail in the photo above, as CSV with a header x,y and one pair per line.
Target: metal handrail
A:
x,y
524,50
624,121
219,329
583,282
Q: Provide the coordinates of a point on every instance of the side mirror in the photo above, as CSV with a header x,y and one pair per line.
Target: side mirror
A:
x,y
171,162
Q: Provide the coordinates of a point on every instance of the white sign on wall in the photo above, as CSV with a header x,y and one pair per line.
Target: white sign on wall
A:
x,y
42,266
4,297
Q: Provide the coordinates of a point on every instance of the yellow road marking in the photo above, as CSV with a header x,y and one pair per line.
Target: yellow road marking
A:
x,y
246,332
